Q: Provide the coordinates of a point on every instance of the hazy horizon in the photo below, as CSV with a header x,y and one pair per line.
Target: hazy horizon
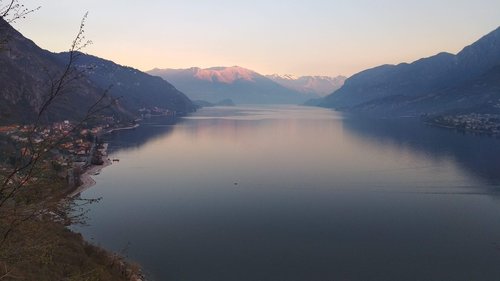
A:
x,y
326,38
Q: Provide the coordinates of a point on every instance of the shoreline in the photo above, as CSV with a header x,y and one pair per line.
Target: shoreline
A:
x,y
86,179
462,130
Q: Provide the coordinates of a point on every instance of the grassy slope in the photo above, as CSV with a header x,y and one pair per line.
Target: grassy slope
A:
x,y
49,251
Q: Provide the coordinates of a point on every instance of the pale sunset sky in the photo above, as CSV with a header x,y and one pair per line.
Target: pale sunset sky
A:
x,y
299,37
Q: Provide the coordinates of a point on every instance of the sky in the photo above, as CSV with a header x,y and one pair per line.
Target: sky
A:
x,y
298,37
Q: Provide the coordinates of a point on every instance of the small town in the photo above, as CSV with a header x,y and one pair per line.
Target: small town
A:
x,y
71,148
474,122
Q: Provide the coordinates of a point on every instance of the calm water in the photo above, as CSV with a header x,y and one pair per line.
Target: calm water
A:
x,y
295,193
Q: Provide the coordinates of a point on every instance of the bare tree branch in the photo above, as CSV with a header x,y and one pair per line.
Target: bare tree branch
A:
x,y
18,181
13,10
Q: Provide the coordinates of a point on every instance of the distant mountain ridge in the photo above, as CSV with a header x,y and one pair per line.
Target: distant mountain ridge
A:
x,y
135,88
25,84
313,86
226,75
239,84
441,83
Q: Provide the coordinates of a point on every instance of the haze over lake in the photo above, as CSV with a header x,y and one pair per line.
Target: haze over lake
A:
x,y
299,193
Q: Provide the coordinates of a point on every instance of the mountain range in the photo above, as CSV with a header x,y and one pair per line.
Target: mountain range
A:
x,y
313,86
26,79
444,83
467,82
243,86
135,88
28,74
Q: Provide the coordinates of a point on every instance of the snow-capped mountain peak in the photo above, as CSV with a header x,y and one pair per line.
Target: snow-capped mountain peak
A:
x,y
226,75
315,85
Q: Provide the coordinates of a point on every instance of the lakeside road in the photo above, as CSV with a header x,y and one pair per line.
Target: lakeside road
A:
x,y
123,128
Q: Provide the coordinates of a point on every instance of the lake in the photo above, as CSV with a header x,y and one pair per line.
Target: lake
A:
x,y
299,193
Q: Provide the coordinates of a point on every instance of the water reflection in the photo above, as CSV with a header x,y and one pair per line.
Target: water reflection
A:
x,y
149,130
298,193
478,155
